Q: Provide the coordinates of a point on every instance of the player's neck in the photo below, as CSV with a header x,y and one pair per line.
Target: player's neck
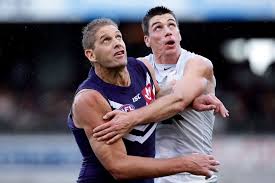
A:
x,y
115,76
172,58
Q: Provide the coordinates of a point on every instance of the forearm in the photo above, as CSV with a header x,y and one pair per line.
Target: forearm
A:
x,y
122,166
161,109
133,167
169,105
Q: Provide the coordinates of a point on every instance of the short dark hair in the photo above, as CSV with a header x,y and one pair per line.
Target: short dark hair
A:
x,y
158,10
89,31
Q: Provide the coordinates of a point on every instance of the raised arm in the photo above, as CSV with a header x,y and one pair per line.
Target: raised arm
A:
x,y
88,109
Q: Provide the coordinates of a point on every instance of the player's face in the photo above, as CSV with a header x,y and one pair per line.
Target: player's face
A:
x,y
164,35
110,49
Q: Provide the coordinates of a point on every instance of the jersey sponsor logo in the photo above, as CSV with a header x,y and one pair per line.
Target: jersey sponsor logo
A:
x,y
148,93
167,68
127,107
136,98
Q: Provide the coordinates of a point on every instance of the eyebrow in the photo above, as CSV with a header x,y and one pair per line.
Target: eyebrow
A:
x,y
118,31
105,35
170,19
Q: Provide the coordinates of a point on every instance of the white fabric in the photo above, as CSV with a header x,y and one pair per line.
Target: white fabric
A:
x,y
192,133
186,178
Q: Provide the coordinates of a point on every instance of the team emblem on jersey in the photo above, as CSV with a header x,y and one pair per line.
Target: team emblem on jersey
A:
x,y
148,93
127,107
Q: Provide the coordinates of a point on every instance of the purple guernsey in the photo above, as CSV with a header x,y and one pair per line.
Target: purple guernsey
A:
x,y
139,142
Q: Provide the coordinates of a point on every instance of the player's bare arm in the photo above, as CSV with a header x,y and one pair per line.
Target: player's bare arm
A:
x,y
198,73
88,109
198,78
203,102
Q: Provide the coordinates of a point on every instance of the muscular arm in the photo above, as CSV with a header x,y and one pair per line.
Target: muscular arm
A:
x,y
197,74
211,85
198,79
88,109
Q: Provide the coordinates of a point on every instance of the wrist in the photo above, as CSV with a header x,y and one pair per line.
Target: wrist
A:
x,y
136,118
187,165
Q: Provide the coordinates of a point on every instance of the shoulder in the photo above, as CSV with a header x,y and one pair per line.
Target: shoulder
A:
x,y
139,64
87,95
199,62
87,106
148,59
133,61
87,99
145,61
147,64
139,60
151,70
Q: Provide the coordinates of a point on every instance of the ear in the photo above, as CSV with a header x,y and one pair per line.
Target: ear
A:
x,y
147,41
89,53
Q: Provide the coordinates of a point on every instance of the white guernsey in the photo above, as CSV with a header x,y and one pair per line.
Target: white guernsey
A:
x,y
189,131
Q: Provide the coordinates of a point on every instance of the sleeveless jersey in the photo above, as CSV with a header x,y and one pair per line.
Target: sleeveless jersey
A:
x,y
139,142
187,132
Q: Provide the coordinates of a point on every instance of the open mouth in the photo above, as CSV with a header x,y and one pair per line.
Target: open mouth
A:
x,y
119,53
170,43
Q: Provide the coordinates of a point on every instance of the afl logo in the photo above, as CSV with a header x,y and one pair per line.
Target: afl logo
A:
x,y
127,107
148,93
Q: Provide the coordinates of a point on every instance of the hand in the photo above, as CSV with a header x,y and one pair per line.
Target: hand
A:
x,y
199,164
119,125
209,102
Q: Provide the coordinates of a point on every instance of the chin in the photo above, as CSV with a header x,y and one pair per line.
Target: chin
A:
x,y
170,51
123,62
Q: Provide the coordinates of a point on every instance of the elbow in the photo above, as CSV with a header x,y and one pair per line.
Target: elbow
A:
x,y
208,69
181,106
118,165
118,172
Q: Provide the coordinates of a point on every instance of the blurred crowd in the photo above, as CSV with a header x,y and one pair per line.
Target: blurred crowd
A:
x,y
250,99
41,66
